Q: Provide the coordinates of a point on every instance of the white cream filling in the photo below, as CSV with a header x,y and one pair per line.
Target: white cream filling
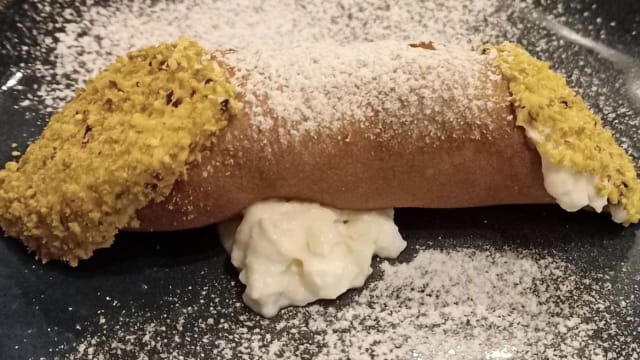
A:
x,y
533,134
572,190
293,253
618,213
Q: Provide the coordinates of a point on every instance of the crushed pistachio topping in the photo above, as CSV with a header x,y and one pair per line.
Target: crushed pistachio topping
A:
x,y
120,144
568,133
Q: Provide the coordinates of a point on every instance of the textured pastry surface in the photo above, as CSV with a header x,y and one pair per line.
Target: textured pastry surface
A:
x,y
121,143
368,126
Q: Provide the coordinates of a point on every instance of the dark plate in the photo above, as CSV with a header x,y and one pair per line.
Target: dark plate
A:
x,y
178,289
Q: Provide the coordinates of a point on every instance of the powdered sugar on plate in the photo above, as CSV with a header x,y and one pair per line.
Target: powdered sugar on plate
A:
x,y
443,304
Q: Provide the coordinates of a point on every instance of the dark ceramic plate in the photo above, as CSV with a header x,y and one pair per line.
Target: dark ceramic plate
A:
x,y
45,310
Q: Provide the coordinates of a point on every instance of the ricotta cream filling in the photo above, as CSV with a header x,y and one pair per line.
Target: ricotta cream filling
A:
x,y
293,253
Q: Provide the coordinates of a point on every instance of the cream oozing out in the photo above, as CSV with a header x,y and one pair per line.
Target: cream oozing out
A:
x,y
293,253
572,190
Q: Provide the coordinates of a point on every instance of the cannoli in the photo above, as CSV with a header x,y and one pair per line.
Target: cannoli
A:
x,y
171,137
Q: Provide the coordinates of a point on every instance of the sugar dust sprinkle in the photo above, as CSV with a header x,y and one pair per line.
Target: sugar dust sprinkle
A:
x,y
456,304
72,43
443,304
452,87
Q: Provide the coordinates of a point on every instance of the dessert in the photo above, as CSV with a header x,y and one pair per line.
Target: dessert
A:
x,y
171,137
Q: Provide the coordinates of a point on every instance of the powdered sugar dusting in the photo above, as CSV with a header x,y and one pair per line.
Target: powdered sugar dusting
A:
x,y
460,303
317,87
92,39
71,43
75,41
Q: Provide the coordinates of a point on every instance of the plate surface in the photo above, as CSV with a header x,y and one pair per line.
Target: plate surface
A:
x,y
175,295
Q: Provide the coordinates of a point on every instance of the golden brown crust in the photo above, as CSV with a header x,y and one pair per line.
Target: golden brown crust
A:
x,y
355,168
